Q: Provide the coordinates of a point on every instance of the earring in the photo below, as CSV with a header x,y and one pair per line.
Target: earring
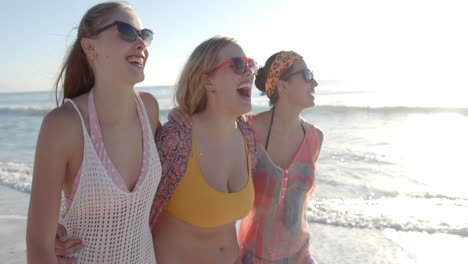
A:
x,y
93,57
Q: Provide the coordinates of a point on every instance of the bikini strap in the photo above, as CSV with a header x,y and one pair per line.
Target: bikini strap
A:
x,y
271,124
269,129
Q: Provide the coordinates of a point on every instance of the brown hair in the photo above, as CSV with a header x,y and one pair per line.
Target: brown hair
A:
x,y
262,75
76,76
189,94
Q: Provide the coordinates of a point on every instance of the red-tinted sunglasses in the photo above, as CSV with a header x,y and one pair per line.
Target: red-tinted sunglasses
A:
x,y
239,65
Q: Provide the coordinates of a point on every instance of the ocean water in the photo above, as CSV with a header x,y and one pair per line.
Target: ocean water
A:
x,y
385,165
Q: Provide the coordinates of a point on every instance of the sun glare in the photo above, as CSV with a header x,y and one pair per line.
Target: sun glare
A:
x,y
434,149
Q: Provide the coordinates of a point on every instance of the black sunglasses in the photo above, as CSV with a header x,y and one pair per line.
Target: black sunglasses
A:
x,y
308,75
128,32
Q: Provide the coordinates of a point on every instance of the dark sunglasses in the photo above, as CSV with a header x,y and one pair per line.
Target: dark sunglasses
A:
x,y
128,32
239,65
308,75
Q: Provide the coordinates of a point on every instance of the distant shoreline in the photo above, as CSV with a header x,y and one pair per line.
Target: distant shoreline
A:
x,y
52,90
169,85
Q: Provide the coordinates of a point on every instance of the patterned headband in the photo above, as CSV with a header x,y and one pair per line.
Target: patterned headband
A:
x,y
282,62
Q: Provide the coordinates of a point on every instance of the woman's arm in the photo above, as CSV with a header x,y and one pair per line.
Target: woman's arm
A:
x,y
50,166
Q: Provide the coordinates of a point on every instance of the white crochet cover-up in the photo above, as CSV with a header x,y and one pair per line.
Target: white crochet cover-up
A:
x,y
112,224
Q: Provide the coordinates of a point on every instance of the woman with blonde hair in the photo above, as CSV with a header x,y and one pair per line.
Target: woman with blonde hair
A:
x,y
207,167
276,230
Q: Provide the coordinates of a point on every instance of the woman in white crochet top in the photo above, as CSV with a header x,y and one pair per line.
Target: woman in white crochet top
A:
x,y
96,168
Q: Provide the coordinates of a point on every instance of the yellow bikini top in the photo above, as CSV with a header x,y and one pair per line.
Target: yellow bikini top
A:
x,y
197,203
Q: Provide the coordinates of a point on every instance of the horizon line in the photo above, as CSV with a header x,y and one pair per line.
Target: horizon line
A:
x,y
165,85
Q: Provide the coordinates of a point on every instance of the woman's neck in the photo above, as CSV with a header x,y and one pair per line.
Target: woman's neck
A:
x,y
287,116
115,103
216,125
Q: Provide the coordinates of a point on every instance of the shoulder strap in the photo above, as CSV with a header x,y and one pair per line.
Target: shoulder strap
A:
x,y
269,129
78,112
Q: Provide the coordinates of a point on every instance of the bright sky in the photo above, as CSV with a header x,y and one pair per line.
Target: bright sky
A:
x,y
396,42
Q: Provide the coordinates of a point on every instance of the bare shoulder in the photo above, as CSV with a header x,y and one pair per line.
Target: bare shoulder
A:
x,y
149,100
152,109
61,126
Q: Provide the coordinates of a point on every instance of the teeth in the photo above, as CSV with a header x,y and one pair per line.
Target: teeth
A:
x,y
247,85
135,59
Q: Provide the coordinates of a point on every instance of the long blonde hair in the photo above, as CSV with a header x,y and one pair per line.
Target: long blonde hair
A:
x,y
189,94
76,76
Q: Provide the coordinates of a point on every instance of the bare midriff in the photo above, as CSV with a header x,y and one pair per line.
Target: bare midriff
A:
x,y
178,242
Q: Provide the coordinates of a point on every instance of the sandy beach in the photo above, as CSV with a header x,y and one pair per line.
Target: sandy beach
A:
x,y
12,244
13,211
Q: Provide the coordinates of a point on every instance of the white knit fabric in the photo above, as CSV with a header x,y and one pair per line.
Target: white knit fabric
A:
x,y
113,224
